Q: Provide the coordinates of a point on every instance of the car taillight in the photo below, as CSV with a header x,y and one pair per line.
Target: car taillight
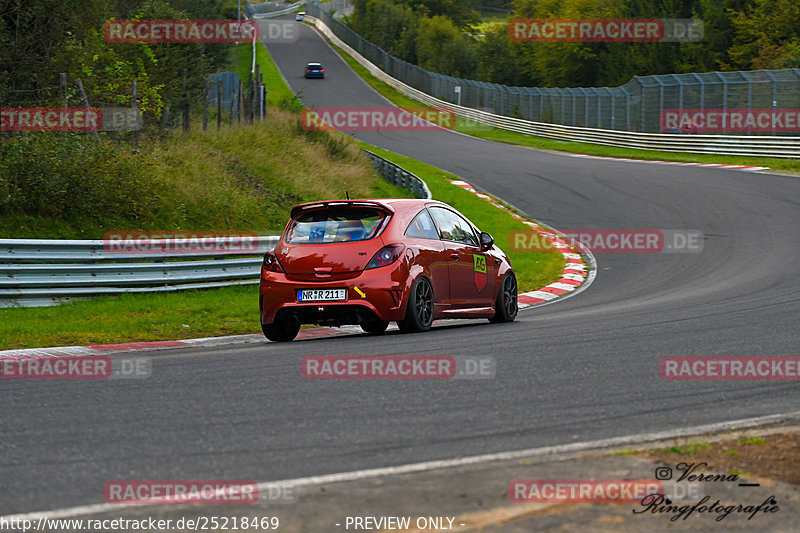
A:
x,y
322,70
386,256
271,263
308,70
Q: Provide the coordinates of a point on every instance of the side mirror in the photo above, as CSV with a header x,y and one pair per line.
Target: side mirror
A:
x,y
486,240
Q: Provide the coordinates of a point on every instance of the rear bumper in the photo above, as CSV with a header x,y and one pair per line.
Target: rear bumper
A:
x,y
383,290
315,75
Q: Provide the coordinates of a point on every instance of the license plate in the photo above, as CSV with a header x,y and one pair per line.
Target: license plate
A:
x,y
318,295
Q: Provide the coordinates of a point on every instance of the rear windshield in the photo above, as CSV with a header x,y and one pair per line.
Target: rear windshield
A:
x,y
335,225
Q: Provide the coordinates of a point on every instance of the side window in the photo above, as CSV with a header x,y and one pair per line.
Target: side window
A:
x,y
422,227
453,227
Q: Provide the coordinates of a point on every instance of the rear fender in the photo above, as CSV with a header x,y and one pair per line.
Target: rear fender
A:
x,y
414,272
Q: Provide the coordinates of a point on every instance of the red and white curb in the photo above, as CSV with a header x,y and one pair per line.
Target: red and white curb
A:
x,y
575,273
133,347
128,347
747,168
204,342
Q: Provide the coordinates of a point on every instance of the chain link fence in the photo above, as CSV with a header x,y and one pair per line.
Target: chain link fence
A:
x,y
229,83
760,102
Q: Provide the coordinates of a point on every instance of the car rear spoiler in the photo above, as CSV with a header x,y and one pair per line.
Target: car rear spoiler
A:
x,y
344,204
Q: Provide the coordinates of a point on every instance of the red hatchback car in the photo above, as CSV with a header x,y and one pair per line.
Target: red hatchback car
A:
x,y
369,262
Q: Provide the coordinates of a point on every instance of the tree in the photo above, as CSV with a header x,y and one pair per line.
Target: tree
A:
x,y
498,62
180,69
388,25
31,39
460,12
443,48
767,35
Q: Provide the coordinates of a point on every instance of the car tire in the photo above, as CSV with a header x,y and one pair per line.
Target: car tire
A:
x,y
375,326
281,330
419,310
505,305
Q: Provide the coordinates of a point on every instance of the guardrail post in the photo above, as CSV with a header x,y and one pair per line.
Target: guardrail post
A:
x,y
613,108
724,95
219,103
599,107
774,97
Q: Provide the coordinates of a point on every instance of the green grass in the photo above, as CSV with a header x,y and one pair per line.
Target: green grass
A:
x,y
687,449
542,143
533,270
626,452
238,178
134,317
745,441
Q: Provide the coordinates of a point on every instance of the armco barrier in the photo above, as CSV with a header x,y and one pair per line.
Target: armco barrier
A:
x,y
746,145
399,177
48,272
277,12
254,10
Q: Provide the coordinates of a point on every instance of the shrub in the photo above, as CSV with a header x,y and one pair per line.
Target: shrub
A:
x,y
72,177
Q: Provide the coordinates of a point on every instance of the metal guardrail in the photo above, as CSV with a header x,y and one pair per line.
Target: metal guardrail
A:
x,y
49,272
400,177
746,145
279,12
253,8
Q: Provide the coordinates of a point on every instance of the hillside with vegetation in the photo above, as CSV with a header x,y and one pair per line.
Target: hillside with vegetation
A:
x,y
70,185
240,178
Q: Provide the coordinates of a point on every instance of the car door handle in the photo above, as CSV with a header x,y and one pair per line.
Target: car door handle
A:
x,y
454,256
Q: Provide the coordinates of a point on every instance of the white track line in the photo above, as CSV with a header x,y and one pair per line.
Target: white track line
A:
x,y
451,463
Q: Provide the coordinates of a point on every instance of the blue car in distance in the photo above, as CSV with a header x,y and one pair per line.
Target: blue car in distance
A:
x,y
315,70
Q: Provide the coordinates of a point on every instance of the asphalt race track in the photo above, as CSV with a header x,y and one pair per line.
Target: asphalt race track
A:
x,y
582,369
